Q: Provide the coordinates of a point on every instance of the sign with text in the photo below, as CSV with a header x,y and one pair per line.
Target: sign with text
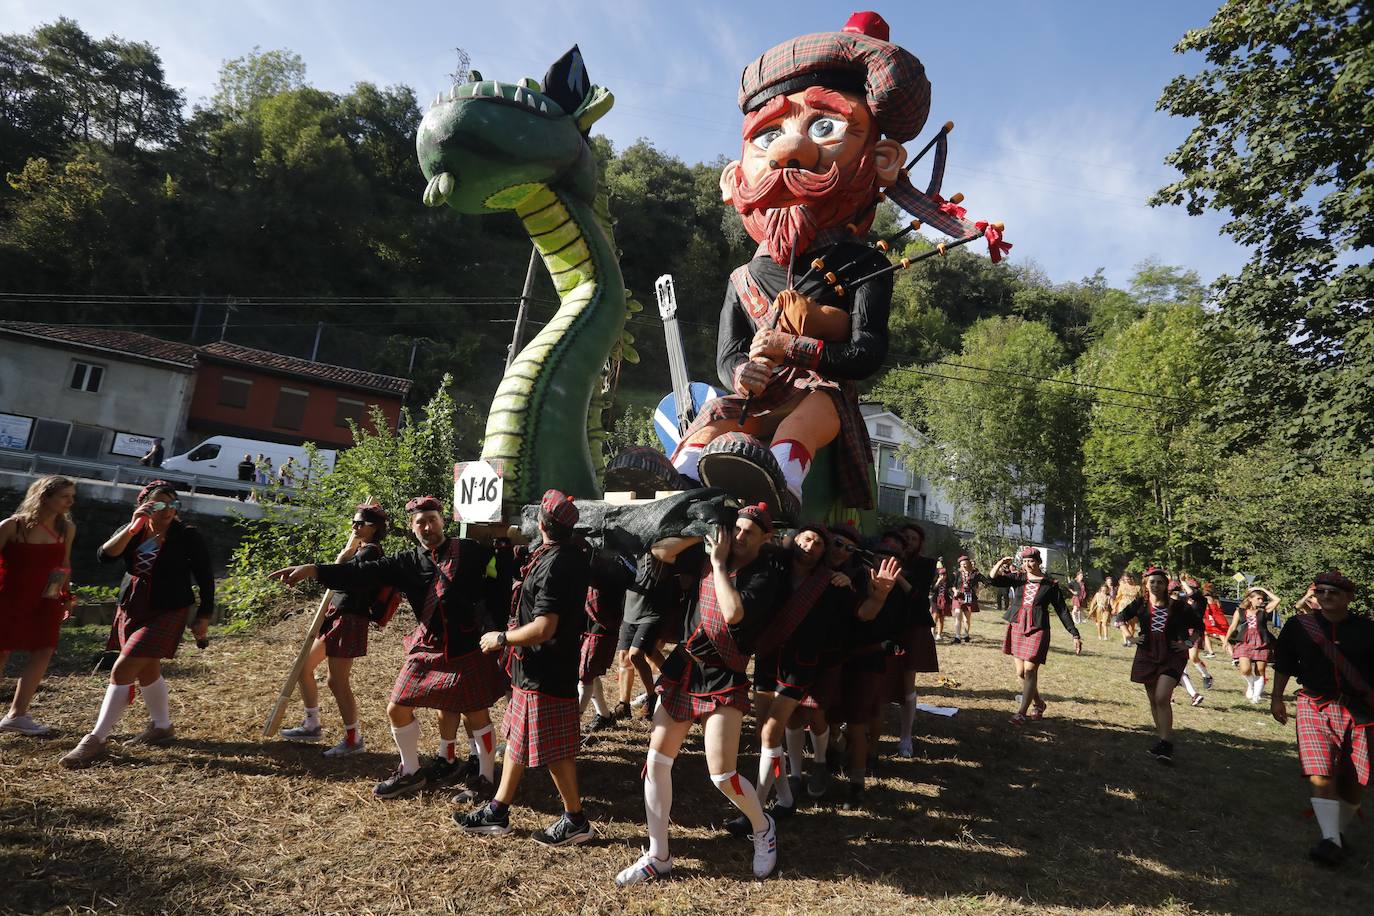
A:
x,y
14,431
131,444
477,490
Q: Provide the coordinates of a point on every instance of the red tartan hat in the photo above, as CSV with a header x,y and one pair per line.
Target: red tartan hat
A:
x,y
153,487
559,508
1025,553
759,515
859,59
963,557
847,531
1335,579
424,504
1154,571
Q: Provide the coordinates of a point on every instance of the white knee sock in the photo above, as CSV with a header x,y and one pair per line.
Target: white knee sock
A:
x,y
743,796
312,713
1328,812
485,744
448,749
686,464
1187,683
351,734
770,762
908,715
658,801
795,461
584,696
599,701
408,743
159,707
1201,668
117,699
1347,814
796,751
819,744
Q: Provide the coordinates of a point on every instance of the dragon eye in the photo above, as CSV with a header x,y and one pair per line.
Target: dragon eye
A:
x,y
765,139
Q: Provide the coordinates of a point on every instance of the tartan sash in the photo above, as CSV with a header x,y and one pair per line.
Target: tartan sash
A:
x,y
794,610
1357,684
714,626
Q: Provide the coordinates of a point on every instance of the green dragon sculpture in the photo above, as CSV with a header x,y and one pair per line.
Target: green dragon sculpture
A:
x,y
486,147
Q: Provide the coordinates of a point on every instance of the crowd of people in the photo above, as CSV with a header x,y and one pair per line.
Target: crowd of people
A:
x,y
816,630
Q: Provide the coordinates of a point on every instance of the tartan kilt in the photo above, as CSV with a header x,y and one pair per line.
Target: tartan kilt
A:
x,y
464,684
540,729
1328,736
1155,658
968,606
344,635
862,679
598,651
1254,647
156,637
918,649
1029,647
685,706
826,690
943,606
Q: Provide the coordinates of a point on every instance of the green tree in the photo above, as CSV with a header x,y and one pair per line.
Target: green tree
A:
x,y
245,81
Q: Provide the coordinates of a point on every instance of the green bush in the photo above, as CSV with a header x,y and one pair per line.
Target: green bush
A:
x,y
95,594
389,467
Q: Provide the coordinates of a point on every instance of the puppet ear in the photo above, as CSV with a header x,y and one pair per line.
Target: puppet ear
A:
x,y
889,156
567,82
729,180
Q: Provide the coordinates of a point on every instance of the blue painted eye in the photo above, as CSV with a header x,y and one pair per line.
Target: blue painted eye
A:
x,y
826,128
765,139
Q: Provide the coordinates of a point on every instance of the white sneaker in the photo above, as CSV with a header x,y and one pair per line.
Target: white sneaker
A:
x,y
344,749
303,732
766,849
638,702
904,749
646,869
25,725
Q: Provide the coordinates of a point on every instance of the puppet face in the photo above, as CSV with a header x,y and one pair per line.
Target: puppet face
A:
x,y
812,160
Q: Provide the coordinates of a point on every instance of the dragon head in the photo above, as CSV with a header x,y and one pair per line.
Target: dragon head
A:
x,y
486,146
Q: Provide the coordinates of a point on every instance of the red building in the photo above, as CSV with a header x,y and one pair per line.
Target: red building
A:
x,y
255,394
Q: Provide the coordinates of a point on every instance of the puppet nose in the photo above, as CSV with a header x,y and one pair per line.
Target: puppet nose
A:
x,y
792,151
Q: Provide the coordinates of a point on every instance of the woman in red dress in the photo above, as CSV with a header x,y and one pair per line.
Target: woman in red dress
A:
x,y
35,569
1215,622
1254,644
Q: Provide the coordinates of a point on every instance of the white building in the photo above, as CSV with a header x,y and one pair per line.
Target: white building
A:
x,y
902,492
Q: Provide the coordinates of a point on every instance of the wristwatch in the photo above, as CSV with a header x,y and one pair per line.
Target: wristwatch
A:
x,y
501,637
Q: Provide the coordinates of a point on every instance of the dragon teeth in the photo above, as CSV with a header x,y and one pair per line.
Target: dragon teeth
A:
x,y
544,108
520,96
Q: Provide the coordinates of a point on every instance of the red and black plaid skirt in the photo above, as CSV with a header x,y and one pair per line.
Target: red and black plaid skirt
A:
x,y
1155,658
598,651
1329,737
969,606
825,691
1029,647
464,684
918,649
540,729
1254,647
862,681
344,635
155,637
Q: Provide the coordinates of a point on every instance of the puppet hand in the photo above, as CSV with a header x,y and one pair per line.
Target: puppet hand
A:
x,y
770,345
752,378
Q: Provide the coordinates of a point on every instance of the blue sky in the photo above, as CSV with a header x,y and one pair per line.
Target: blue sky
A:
x,y
1056,132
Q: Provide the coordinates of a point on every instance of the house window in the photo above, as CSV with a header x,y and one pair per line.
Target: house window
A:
x,y
50,436
916,505
885,430
890,500
349,410
86,377
233,392
291,408
86,441
1016,515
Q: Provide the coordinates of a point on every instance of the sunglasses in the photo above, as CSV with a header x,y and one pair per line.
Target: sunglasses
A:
x,y
360,522
160,505
1326,591
843,545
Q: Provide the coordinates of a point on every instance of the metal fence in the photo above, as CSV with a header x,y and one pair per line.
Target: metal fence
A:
x,y
131,474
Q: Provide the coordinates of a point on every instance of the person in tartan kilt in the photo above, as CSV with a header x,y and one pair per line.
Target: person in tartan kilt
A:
x,y
1028,626
967,578
163,557
443,579
705,678
611,575
825,117
1168,626
342,638
915,640
1331,653
1252,639
541,646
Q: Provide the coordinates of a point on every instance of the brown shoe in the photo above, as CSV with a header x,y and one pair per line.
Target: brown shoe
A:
x,y
89,750
153,736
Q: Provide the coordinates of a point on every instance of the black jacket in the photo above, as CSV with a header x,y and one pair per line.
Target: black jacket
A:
x,y
1185,615
184,559
1051,593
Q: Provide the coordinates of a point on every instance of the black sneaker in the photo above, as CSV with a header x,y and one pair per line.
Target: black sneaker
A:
x,y
398,784
1163,751
649,706
1207,682
782,812
739,826
1327,853
621,711
834,761
563,832
818,780
599,723
855,801
479,791
441,772
484,821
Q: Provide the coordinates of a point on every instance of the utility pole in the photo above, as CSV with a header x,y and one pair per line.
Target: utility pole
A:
x,y
414,345
195,322
315,350
224,325
518,338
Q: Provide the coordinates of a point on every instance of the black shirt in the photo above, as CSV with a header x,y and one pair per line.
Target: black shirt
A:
x,y
556,584
184,559
1295,653
610,581
920,575
359,601
757,584
458,629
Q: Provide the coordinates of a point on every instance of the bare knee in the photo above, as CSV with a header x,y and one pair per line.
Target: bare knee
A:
x,y
400,716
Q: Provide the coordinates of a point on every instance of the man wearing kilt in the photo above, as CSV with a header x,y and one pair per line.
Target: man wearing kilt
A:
x,y
163,557
541,645
1168,626
1028,626
445,668
705,678
611,576
1331,653
915,639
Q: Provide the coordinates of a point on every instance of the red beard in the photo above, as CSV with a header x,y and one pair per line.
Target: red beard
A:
x,y
788,208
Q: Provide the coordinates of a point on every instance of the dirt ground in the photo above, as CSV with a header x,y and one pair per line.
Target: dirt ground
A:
x,y
1067,815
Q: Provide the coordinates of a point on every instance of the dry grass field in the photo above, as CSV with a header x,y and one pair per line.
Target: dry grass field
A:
x,y
1067,815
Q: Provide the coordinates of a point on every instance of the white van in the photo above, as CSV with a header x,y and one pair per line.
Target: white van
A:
x,y
219,456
